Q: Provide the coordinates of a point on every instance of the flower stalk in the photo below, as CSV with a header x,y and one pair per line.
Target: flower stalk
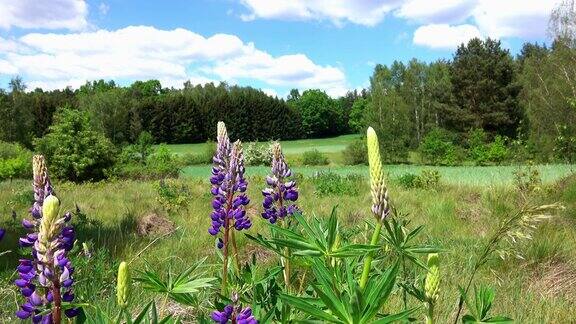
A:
x,y
280,196
230,200
46,280
380,201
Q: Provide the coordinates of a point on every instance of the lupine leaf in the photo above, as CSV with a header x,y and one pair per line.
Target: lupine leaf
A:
x,y
192,286
308,308
396,317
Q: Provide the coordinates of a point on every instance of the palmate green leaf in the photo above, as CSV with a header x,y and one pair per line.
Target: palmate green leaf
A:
x,y
309,308
295,244
332,229
192,286
377,293
311,253
353,250
260,240
151,281
332,302
396,317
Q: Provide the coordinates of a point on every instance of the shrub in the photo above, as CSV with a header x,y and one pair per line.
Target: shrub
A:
x,y
477,150
330,183
427,179
408,180
161,163
437,149
355,153
527,179
200,158
14,161
172,195
257,154
314,157
497,150
76,151
565,145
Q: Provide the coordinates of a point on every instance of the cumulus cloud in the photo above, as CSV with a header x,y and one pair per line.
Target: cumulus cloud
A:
x,y
437,11
444,36
362,12
492,18
173,56
53,14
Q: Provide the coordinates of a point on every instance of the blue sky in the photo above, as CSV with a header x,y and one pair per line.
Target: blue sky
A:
x,y
274,45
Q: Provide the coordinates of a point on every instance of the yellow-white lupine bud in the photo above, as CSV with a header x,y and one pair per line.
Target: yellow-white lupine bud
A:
x,y
432,282
380,203
123,285
48,226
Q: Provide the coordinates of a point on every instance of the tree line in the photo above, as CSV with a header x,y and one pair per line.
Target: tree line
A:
x,y
527,101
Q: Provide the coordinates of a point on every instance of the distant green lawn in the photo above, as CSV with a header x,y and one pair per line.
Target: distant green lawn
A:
x,y
465,175
325,145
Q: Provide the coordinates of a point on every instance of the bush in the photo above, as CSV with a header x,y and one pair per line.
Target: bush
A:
x,y
14,161
73,149
437,149
497,151
355,153
427,179
565,145
477,150
172,195
257,154
202,157
159,164
330,183
314,157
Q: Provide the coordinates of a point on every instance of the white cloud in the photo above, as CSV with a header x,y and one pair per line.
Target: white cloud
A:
x,y
270,92
362,12
171,56
7,68
443,36
53,14
514,18
437,11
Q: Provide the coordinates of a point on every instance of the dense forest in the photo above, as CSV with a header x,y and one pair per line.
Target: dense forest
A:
x,y
526,102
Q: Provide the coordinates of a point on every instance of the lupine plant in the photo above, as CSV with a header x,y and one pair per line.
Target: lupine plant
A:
x,y
45,280
228,188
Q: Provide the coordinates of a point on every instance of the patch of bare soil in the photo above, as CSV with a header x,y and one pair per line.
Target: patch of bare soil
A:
x,y
555,280
154,224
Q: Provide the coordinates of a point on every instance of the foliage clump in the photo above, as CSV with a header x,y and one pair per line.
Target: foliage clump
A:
x,y
74,149
314,157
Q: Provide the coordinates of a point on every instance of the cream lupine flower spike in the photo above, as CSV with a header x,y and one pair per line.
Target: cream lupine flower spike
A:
x,y
380,201
123,285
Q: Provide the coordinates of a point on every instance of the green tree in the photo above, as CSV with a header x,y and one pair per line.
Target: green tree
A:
x,y
485,89
320,114
357,121
389,114
75,150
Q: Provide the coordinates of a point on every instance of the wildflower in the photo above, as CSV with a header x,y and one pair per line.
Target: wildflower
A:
x,y
233,313
281,193
2,233
228,187
123,285
431,286
380,201
46,280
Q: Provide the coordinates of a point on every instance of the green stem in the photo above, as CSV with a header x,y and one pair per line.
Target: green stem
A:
x,y
235,248
429,313
370,256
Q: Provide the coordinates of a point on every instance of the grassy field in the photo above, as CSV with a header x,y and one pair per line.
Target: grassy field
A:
x,y
331,147
458,216
464,175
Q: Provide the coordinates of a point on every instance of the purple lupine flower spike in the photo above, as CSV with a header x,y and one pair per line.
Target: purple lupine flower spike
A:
x,y
234,313
228,187
46,279
281,192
